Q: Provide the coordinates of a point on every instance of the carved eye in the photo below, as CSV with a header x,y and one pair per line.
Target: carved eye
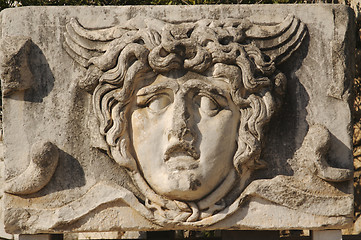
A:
x,y
207,104
158,102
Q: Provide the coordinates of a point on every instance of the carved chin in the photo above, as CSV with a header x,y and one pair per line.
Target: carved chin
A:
x,y
182,185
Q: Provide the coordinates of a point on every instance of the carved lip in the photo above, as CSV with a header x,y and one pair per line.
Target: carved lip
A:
x,y
181,150
182,163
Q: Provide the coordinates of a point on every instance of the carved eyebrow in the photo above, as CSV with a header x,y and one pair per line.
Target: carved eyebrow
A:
x,y
202,85
158,87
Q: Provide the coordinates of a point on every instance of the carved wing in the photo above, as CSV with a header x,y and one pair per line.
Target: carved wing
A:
x,y
280,40
82,44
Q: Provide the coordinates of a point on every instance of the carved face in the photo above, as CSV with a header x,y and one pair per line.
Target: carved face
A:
x,y
184,131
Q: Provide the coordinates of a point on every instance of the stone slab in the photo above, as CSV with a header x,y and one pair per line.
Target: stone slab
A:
x,y
143,118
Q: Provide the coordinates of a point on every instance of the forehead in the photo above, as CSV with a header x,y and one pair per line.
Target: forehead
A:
x,y
188,80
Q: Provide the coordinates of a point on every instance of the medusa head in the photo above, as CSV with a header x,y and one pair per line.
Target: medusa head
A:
x,y
183,106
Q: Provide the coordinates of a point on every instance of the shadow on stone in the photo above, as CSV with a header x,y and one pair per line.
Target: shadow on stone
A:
x,y
42,76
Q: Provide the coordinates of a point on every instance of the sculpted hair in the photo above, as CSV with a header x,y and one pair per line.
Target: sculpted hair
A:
x,y
220,46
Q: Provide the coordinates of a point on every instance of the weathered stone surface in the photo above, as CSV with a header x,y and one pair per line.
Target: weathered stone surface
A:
x,y
16,74
177,117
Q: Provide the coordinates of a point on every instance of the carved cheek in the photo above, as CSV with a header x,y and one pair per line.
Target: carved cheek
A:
x,y
228,124
147,136
140,121
149,126
219,133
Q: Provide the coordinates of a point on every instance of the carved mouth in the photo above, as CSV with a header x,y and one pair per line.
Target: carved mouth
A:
x,y
181,150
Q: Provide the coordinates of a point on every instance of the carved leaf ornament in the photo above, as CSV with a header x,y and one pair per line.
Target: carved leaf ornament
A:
x,y
247,55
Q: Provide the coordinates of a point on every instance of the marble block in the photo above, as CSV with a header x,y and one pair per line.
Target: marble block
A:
x,y
141,118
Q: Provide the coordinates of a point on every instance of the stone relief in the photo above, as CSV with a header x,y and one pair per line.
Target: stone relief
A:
x,y
183,108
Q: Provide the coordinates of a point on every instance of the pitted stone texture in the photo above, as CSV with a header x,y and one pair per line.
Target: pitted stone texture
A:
x,y
177,117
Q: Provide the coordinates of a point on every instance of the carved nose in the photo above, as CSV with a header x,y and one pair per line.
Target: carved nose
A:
x,y
181,134
179,128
